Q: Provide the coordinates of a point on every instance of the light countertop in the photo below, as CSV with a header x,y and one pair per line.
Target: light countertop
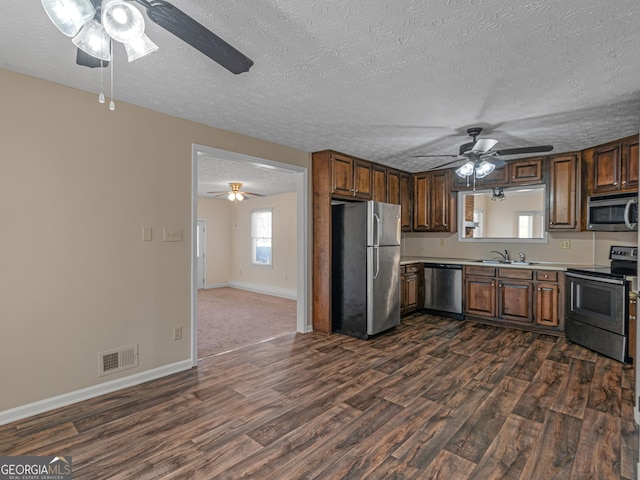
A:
x,y
476,262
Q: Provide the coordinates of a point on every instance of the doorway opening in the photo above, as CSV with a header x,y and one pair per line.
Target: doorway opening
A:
x,y
292,297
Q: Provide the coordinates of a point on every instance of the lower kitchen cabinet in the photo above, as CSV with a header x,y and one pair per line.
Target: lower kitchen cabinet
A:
x,y
520,297
633,306
515,301
480,291
410,287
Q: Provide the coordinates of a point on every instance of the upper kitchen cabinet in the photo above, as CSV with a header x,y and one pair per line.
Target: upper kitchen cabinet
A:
x,y
406,201
526,171
434,204
393,186
630,157
563,197
379,179
351,177
614,166
399,188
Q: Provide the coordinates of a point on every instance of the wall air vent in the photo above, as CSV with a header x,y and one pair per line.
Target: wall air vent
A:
x,y
123,358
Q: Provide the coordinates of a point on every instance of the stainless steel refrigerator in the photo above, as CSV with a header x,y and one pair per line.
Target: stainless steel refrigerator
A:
x,y
365,268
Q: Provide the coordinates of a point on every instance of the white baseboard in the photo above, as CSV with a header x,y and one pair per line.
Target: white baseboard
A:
x,y
216,285
41,406
265,289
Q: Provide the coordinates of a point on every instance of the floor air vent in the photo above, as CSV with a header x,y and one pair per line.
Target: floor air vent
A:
x,y
117,360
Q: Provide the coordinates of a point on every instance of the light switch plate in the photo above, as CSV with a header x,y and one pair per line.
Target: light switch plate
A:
x,y
172,234
146,234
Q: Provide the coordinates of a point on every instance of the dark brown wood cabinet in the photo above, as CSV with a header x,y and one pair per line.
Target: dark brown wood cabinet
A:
x,y
379,179
633,316
351,177
527,171
630,163
410,288
480,291
547,296
563,199
393,187
406,201
615,167
343,177
607,163
515,295
434,203
531,299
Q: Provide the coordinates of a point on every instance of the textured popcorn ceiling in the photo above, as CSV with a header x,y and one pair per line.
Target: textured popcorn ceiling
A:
x,y
379,79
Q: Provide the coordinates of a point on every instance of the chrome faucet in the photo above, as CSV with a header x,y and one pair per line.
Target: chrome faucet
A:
x,y
505,255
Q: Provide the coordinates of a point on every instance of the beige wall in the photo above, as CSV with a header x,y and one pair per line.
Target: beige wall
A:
x,y
219,245
229,244
282,275
586,247
77,184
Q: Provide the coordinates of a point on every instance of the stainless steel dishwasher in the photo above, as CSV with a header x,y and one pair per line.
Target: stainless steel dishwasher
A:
x,y
443,289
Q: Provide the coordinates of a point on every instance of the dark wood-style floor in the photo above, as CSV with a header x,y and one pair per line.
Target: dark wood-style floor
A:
x,y
435,398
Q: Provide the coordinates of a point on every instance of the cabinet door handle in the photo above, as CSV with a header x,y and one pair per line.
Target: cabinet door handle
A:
x,y
615,183
624,181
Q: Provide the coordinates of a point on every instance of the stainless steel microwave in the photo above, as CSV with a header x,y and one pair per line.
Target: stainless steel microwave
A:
x,y
613,213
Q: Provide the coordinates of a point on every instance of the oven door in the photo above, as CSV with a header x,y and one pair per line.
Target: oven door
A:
x,y
598,301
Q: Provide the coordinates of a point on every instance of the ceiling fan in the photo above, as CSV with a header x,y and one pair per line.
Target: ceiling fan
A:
x,y
94,23
235,194
477,152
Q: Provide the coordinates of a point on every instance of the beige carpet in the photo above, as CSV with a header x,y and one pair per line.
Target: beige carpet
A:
x,y
229,318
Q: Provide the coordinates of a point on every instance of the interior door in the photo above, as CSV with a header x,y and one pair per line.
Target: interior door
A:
x,y
200,254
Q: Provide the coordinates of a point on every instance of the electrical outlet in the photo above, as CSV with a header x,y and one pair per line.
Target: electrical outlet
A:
x,y
565,244
442,242
177,333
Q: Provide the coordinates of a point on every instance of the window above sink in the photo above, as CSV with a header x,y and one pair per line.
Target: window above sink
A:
x,y
515,215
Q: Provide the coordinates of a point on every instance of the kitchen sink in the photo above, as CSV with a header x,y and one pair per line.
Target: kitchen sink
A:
x,y
504,262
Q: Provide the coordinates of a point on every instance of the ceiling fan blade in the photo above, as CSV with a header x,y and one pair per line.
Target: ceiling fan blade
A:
x,y
253,194
484,145
434,156
517,151
85,60
458,159
199,37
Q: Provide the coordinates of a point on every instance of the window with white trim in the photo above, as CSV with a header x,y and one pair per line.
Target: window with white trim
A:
x,y
261,238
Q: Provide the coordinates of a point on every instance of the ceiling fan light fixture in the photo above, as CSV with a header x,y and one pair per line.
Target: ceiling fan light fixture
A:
x,y
122,21
465,170
498,194
93,39
69,15
484,169
139,47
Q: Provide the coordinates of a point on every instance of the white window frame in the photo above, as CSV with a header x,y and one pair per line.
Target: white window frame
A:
x,y
254,240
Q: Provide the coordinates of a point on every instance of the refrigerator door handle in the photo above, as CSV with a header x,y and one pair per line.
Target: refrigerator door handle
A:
x,y
376,251
376,242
